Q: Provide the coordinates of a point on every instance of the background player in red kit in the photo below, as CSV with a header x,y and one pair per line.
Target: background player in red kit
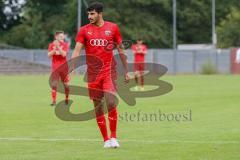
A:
x,y
139,50
57,51
96,36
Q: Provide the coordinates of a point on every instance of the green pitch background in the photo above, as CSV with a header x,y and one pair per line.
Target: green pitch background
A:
x,y
213,133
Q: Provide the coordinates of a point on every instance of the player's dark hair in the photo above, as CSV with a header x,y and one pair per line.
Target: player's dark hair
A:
x,y
97,6
58,32
139,39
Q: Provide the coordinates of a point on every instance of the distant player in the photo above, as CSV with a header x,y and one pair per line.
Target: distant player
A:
x,y
139,50
57,51
96,36
238,56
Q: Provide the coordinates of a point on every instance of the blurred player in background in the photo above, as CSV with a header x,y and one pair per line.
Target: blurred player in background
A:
x,y
238,56
96,36
139,50
57,51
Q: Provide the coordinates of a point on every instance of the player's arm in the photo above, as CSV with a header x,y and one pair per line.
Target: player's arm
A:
x,y
80,41
144,50
123,58
62,51
76,53
133,49
238,56
120,48
51,51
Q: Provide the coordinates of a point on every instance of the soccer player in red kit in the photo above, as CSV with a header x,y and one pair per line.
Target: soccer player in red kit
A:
x,y
96,36
139,50
57,51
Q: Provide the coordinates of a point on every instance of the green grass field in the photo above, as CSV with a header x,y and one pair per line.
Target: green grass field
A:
x,y
29,129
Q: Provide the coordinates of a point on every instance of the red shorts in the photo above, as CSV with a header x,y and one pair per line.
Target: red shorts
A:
x,y
103,83
62,75
139,66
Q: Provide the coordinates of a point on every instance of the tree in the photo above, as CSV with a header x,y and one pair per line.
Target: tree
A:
x,y
10,13
150,20
228,30
194,21
2,15
40,21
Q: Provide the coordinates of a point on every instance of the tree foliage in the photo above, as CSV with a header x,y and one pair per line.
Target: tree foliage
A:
x,y
10,14
228,30
150,20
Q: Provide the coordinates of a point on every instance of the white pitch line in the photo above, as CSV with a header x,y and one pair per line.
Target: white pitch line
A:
x,y
49,139
124,140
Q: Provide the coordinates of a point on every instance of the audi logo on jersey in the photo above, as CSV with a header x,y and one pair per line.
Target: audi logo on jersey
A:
x,y
99,42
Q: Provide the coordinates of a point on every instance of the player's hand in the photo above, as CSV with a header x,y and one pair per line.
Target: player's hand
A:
x,y
54,49
127,77
57,52
56,43
73,73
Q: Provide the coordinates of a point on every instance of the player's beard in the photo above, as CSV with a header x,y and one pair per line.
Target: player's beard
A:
x,y
94,20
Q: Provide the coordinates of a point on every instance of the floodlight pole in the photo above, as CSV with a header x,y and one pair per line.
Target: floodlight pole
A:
x,y
79,14
174,36
214,34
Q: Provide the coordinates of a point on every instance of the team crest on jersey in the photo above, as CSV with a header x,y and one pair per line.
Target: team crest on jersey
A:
x,y
107,33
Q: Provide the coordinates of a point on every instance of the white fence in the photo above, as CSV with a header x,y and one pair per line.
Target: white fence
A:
x,y
187,61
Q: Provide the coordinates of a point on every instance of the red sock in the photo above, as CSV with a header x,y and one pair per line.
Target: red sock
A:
x,y
112,117
54,94
66,93
102,126
142,81
136,79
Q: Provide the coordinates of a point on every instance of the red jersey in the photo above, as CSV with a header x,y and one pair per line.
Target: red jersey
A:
x,y
96,39
58,60
139,52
